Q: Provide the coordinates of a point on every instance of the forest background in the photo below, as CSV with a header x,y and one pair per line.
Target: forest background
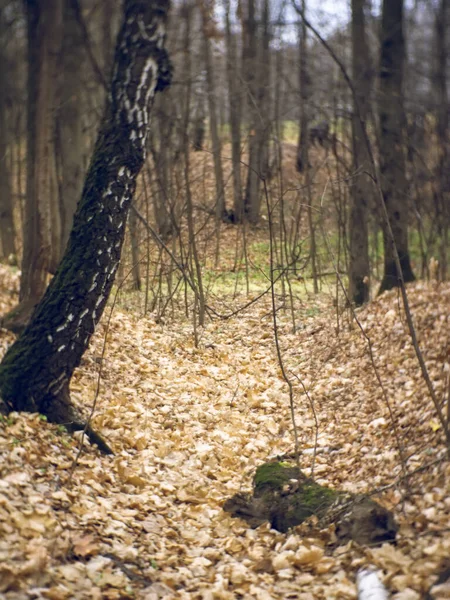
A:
x,y
294,168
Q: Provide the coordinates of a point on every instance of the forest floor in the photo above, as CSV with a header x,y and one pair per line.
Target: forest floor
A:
x,y
189,425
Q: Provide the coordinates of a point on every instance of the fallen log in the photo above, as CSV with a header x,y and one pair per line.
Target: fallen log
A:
x,y
285,497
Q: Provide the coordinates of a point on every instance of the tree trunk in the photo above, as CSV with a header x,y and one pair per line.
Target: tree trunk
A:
x,y
234,87
305,93
163,158
442,200
36,371
70,143
303,141
7,232
359,270
44,23
206,11
249,61
392,160
257,73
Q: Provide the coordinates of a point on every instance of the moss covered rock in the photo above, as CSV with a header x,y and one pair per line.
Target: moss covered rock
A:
x,y
285,497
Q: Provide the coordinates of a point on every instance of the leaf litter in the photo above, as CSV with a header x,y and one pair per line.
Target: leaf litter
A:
x,y
190,425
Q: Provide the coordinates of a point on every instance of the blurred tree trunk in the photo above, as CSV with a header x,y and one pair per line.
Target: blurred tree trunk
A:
x,y
442,199
249,62
302,163
305,94
70,143
44,19
208,28
392,146
162,153
359,269
7,230
235,95
198,126
257,76
36,371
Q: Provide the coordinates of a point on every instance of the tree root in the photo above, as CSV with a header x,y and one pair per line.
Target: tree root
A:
x,y
62,411
93,436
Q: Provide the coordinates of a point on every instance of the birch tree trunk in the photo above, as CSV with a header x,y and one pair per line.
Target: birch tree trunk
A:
x,y
36,371
392,159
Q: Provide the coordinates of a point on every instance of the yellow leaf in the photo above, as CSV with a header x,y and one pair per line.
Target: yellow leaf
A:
x,y
434,425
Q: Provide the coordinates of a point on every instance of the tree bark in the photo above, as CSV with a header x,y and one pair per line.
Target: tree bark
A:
x,y
70,145
234,90
36,371
257,73
206,11
7,230
249,62
163,158
359,270
305,93
392,160
442,199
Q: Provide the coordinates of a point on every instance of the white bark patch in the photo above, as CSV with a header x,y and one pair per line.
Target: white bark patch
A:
x,y
83,314
50,338
61,348
108,192
70,318
57,384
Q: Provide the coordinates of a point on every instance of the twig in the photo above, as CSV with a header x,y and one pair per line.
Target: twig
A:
x,y
275,328
316,421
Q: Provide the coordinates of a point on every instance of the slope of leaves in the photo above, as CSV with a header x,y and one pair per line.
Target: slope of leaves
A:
x,y
189,425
